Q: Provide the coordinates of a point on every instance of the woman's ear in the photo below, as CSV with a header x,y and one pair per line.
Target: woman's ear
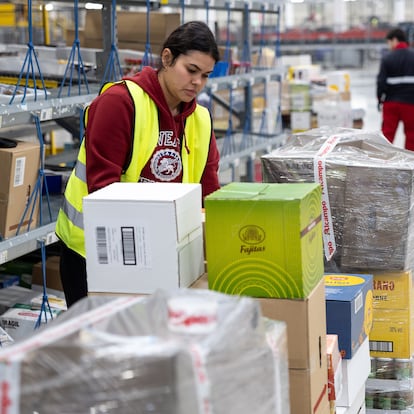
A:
x,y
166,57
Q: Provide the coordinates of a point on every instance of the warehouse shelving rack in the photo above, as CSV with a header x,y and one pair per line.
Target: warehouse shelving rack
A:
x,y
55,107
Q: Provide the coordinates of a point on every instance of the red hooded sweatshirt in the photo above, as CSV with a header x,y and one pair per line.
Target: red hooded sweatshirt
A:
x,y
109,138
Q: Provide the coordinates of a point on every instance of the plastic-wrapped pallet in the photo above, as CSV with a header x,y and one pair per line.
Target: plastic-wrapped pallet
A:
x,y
367,196
181,352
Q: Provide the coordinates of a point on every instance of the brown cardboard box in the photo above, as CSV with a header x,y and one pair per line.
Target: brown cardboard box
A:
x,y
92,43
309,391
135,46
308,370
306,328
52,273
70,37
19,169
132,26
265,58
306,324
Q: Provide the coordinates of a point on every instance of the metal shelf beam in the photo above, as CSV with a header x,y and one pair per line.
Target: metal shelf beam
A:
x,y
47,109
243,80
235,5
28,242
260,144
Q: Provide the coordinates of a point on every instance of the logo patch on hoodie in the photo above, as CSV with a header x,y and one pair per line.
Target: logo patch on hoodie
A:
x,y
166,164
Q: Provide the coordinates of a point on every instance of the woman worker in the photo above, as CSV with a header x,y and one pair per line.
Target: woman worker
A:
x,y
133,129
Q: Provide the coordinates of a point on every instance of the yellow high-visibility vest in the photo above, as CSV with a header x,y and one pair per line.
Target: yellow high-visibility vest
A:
x,y
198,129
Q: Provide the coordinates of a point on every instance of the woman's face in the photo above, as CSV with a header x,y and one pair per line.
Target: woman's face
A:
x,y
183,80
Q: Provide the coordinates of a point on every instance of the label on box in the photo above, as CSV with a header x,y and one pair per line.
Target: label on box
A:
x,y
392,334
393,290
126,245
19,168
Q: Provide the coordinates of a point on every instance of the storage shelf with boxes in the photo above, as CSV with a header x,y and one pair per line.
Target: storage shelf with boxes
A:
x,y
307,362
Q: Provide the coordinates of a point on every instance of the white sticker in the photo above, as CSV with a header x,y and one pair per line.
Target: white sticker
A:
x,y
19,168
125,246
51,238
46,114
3,256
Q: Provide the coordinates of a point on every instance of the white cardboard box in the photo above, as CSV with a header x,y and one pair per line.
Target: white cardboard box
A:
x,y
355,373
143,236
20,322
358,405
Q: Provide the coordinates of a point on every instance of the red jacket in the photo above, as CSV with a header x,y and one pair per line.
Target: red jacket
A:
x,y
110,129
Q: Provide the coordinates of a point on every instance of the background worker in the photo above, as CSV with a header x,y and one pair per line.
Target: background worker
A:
x,y
137,127
395,88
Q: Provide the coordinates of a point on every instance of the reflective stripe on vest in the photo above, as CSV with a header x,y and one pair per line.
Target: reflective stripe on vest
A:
x,y
399,80
69,225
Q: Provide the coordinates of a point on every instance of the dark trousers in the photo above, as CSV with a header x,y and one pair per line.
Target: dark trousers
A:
x,y
73,275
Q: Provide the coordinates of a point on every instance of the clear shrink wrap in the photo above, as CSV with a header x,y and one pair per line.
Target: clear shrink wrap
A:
x,y
180,352
368,185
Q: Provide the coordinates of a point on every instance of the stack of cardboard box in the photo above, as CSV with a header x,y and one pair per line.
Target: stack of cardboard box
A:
x,y
265,241
368,184
349,316
19,171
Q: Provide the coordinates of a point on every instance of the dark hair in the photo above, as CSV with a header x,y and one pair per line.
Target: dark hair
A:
x,y
396,34
193,35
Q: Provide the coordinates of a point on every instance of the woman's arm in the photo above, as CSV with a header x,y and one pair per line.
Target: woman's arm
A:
x,y
108,137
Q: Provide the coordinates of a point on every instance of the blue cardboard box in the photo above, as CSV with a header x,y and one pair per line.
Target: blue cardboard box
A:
x,y
7,280
349,309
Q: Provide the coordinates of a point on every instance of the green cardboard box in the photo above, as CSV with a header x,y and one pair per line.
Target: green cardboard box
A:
x,y
264,240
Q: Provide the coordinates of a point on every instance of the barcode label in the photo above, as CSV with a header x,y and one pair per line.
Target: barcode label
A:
x,y
19,171
381,346
359,302
122,246
46,114
101,245
128,246
3,256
